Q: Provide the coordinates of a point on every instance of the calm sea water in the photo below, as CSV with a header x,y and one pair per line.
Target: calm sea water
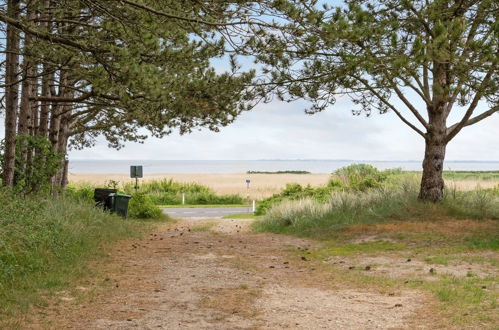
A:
x,y
241,166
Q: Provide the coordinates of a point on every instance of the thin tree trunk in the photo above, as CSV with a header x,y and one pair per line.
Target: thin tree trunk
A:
x,y
11,95
44,105
55,117
60,178
64,181
27,107
47,79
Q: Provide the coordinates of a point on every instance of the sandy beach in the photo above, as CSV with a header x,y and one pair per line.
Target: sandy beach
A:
x,y
261,185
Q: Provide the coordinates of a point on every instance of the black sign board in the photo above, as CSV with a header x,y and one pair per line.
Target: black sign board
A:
x,y
136,171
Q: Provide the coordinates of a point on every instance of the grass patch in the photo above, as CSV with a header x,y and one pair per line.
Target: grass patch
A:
x,y
483,242
467,300
440,260
45,245
241,216
321,220
471,175
335,249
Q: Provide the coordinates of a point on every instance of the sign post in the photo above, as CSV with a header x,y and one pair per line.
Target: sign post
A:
x,y
248,181
136,172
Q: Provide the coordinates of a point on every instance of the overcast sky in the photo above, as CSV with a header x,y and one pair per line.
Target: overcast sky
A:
x,y
283,131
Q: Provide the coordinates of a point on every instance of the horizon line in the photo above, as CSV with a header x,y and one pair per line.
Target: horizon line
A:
x,y
293,159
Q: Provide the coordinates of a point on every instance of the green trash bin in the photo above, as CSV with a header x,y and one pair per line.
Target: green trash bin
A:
x,y
120,204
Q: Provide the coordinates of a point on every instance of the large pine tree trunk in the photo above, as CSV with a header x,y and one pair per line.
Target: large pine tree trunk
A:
x,y
432,182
27,107
11,95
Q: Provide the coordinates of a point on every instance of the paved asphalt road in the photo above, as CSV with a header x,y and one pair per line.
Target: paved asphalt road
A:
x,y
205,212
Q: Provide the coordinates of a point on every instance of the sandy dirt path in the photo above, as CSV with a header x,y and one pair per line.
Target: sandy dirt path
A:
x,y
215,274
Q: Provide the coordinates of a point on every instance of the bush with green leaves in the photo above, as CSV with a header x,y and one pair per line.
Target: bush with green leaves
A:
x,y
83,192
360,176
166,186
141,206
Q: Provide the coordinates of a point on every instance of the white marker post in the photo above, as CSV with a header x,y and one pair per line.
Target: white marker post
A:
x,y
183,198
254,206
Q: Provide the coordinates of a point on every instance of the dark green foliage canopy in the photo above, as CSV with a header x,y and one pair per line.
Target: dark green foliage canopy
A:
x,y
134,64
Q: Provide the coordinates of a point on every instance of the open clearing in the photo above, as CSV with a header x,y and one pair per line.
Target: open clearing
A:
x,y
262,185
215,274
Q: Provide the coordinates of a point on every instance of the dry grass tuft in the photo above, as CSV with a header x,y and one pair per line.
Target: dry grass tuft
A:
x,y
448,227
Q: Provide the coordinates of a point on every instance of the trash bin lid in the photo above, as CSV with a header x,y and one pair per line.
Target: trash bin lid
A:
x,y
122,195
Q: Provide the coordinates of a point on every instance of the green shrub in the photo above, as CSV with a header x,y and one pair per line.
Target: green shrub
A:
x,y
141,206
206,198
81,192
360,176
168,192
167,186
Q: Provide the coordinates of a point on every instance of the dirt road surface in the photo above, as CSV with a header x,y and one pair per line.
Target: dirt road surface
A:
x,y
197,212
215,274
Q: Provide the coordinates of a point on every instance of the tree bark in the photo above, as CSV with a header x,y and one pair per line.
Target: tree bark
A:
x,y
44,105
11,95
27,108
60,178
432,182
65,171
57,108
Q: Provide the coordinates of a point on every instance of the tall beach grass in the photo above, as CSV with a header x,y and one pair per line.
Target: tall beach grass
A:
x,y
45,243
394,201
